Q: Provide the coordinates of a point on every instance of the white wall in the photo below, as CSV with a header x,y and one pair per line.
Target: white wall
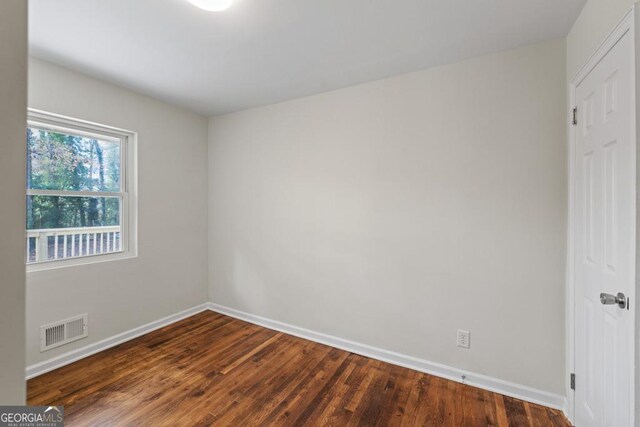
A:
x,y
395,212
170,273
13,99
596,20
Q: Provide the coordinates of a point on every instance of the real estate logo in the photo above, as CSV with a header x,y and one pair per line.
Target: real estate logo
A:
x,y
31,416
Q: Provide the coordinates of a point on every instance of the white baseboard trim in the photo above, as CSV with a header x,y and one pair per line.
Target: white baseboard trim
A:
x,y
481,381
81,353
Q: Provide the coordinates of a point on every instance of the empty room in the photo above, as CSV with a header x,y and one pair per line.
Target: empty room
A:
x,y
319,213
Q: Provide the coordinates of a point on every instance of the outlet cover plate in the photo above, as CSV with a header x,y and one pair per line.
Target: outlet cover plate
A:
x,y
464,339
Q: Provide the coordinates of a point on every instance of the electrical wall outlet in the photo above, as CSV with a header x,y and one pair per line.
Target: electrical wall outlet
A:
x,y
464,339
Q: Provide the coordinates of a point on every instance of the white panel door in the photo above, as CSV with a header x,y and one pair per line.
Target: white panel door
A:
x,y
604,191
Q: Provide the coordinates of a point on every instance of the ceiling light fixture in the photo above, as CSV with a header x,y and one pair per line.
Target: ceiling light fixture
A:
x,y
212,5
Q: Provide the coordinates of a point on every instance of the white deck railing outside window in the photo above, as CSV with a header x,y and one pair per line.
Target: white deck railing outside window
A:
x,y
63,243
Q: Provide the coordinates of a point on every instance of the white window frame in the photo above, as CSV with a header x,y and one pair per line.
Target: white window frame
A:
x,y
128,182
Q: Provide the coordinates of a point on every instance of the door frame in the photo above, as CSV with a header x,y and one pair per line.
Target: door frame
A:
x,y
625,25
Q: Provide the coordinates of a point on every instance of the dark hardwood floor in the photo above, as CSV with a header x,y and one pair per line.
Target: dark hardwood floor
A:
x,y
211,369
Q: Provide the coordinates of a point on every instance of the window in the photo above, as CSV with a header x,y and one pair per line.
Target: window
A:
x,y
80,191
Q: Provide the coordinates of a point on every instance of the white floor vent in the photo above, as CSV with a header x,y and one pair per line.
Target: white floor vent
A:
x,y
60,333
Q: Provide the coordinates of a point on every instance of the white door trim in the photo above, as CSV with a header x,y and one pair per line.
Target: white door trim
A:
x,y
625,25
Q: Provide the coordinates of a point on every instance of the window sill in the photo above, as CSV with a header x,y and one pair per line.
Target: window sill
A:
x,y
80,261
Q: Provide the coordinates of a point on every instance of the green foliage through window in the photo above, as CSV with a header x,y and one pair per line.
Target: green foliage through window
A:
x,y
63,162
72,212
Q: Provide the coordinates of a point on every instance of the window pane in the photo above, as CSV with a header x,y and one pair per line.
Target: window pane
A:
x,y
46,212
59,161
66,243
69,227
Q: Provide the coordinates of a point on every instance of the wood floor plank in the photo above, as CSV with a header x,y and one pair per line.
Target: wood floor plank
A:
x,y
210,369
393,412
516,412
472,402
490,410
501,412
288,411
